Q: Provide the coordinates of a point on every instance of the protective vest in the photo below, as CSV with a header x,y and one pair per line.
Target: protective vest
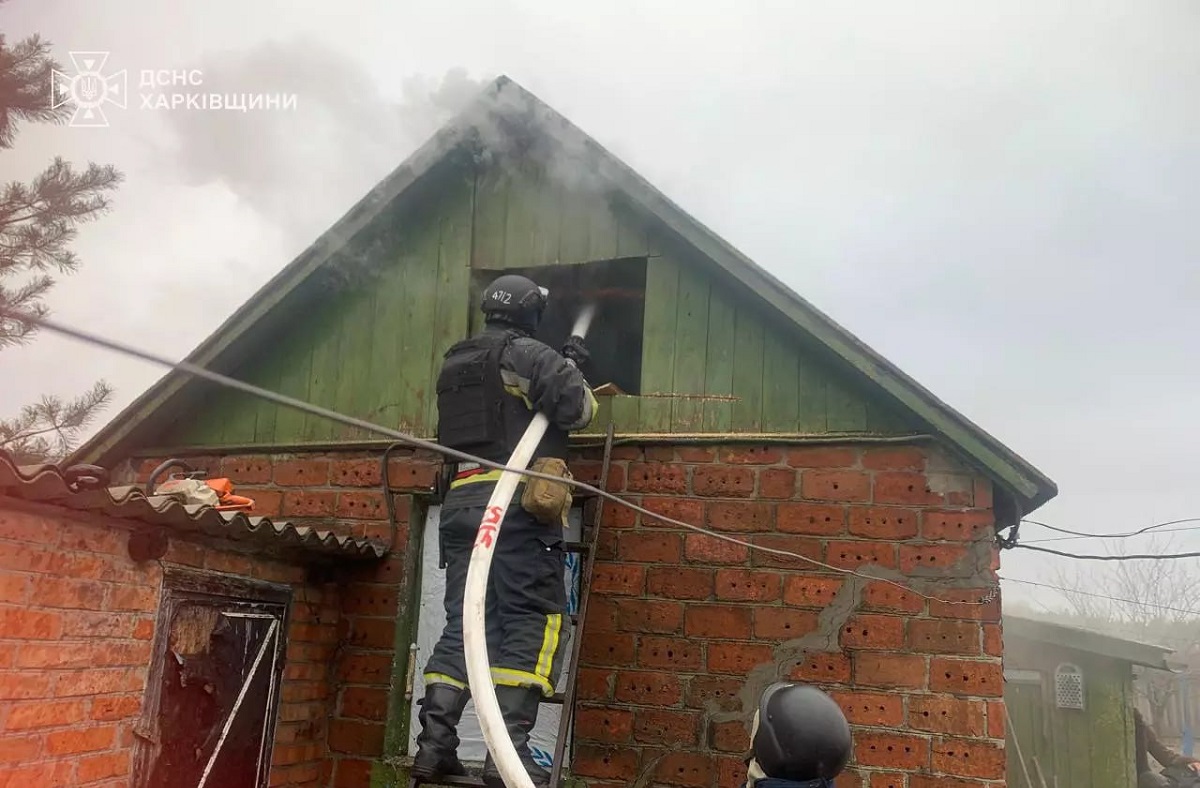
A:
x,y
476,414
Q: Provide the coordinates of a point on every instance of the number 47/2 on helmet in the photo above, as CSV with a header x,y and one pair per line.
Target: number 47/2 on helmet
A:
x,y
515,299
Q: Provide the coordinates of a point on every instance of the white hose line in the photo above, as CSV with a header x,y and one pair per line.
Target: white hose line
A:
x,y
479,670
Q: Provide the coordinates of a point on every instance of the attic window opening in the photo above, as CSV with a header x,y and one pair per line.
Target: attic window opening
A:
x,y
614,340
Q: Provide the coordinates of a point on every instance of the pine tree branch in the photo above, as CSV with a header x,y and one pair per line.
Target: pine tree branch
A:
x,y
24,435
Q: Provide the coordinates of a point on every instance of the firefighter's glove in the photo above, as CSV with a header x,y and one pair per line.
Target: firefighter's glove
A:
x,y
575,351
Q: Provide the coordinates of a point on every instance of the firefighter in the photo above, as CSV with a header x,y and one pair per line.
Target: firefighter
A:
x,y
488,390
800,739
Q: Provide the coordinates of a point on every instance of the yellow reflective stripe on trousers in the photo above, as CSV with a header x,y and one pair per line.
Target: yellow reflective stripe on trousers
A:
x,y
442,678
490,476
508,677
550,635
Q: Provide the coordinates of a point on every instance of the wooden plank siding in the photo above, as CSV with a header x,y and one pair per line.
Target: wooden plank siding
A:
x,y
373,346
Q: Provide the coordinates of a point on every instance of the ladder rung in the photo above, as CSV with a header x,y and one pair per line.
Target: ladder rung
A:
x,y
557,699
575,547
468,780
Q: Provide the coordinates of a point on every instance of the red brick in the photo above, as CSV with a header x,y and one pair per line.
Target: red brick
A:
x,y
25,558
870,708
355,473
960,526
46,714
997,719
66,654
25,624
852,555
969,607
966,677
689,769
660,453
604,724
365,668
891,750
718,621
723,481
982,493
752,455
643,615
43,775
351,773
251,469
369,599
308,503
608,649
604,763
869,631
229,563
904,488
594,683
887,780
884,595
267,503
878,522
646,688
791,546
116,707
965,758
930,556
778,483
889,670
361,506
19,749
102,767
696,453
942,781
22,686
302,473
740,585
618,579
76,537
625,453
731,771
782,623
410,474
730,736
74,741
100,682
676,582
810,591
656,547
939,636
688,510
14,588
372,633
63,592
365,702
826,485
822,457
657,477
894,458
601,615
711,550
814,519
355,737
669,653
941,714
715,693
25,527
822,667
661,726
740,516
993,640
737,658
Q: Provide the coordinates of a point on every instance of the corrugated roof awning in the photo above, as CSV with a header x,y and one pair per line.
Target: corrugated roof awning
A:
x,y
48,484
1143,654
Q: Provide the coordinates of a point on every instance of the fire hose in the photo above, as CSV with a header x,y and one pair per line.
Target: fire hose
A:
x,y
479,671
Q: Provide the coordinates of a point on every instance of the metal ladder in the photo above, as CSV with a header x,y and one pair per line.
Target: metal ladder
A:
x,y
593,511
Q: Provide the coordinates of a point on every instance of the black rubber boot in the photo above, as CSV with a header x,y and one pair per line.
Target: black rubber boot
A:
x,y
437,744
519,706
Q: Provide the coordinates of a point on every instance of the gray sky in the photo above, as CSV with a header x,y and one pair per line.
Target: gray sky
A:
x,y
998,196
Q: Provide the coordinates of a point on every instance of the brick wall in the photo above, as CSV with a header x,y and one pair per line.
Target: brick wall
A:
x,y
77,620
685,630
688,629
342,492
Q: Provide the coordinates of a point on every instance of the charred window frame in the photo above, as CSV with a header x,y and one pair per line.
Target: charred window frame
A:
x,y
225,597
614,340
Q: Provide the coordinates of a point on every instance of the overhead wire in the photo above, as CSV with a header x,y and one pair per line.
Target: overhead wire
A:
x,y
1088,535
1064,589
1087,557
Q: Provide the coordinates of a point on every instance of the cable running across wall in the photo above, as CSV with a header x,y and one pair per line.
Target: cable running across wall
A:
x,y
280,399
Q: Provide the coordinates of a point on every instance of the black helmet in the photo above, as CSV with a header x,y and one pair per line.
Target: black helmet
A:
x,y
801,734
515,299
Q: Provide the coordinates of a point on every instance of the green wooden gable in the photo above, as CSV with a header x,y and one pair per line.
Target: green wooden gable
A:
x,y
704,341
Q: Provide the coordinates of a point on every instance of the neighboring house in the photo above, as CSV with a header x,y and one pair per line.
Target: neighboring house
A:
x,y
1070,699
808,441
